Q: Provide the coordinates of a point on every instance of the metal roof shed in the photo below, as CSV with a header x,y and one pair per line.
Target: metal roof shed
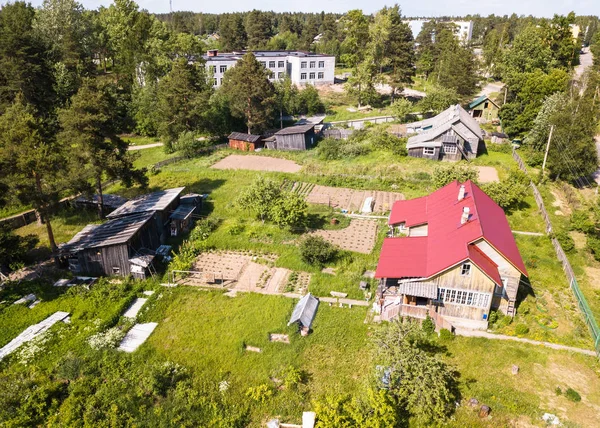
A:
x,y
157,201
299,137
305,311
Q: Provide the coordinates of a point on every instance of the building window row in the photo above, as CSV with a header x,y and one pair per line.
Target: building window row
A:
x,y
213,69
464,297
312,76
429,151
312,64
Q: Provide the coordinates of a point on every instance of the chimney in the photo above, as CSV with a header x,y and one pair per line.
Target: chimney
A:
x,y
212,52
461,192
465,215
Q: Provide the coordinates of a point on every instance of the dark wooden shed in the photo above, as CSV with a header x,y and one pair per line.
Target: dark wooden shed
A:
x,y
301,137
245,142
163,203
106,249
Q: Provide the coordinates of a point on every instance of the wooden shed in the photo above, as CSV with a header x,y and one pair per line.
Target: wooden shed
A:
x,y
107,249
484,109
300,137
245,142
163,203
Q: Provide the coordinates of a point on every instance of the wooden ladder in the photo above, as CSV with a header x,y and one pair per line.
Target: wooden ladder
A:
x,y
510,311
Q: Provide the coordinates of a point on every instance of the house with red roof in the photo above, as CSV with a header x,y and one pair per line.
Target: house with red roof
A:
x,y
450,255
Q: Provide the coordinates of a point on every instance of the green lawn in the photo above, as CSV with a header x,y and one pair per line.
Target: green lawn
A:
x,y
138,140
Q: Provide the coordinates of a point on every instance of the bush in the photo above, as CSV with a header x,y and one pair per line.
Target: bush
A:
x,y
593,244
447,173
510,192
188,145
315,250
580,220
383,140
329,149
14,248
309,101
521,329
401,108
446,335
566,242
572,395
428,325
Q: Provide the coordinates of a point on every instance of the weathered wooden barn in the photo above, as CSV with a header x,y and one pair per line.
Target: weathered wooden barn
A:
x,y
163,203
484,109
107,249
452,256
451,135
182,219
299,137
245,142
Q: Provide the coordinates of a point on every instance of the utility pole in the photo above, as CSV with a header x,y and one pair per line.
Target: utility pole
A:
x,y
505,94
547,148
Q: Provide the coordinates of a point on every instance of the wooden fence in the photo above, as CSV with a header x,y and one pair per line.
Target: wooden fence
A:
x,y
338,134
588,316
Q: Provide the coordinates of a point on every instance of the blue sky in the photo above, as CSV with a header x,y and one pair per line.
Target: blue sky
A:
x,y
412,8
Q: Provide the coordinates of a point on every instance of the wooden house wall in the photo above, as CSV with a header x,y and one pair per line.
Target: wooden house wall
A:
x,y
100,261
489,113
291,142
476,281
245,145
417,152
162,221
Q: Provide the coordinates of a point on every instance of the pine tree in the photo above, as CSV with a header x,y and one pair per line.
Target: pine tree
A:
x,y
258,28
89,131
183,97
34,168
250,93
232,32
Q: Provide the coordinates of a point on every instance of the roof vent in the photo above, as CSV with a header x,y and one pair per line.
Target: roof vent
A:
x,y
461,192
465,215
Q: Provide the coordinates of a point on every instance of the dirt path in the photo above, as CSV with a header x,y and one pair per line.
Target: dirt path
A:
x,y
257,163
145,146
485,334
487,174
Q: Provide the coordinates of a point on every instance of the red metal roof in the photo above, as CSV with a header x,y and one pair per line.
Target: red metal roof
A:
x,y
447,243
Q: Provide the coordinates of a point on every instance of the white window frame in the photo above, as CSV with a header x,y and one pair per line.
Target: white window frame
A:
x,y
321,64
271,64
311,76
450,149
215,82
320,75
469,298
429,151
302,76
313,64
303,64
223,68
264,64
281,64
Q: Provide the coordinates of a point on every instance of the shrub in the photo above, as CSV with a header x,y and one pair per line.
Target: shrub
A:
x,y
315,250
446,335
510,192
329,149
521,329
447,173
289,210
580,220
401,108
428,325
14,248
383,140
188,145
572,395
260,393
566,242
593,244
106,339
558,391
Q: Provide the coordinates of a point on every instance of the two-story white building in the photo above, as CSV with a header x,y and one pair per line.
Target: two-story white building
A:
x,y
302,67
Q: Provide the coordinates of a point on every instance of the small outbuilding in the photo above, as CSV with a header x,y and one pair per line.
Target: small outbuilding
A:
x,y
108,248
162,203
245,142
299,137
484,109
304,313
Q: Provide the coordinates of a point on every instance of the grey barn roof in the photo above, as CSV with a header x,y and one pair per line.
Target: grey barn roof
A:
x,y
182,212
156,201
305,311
298,129
244,137
113,232
454,118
